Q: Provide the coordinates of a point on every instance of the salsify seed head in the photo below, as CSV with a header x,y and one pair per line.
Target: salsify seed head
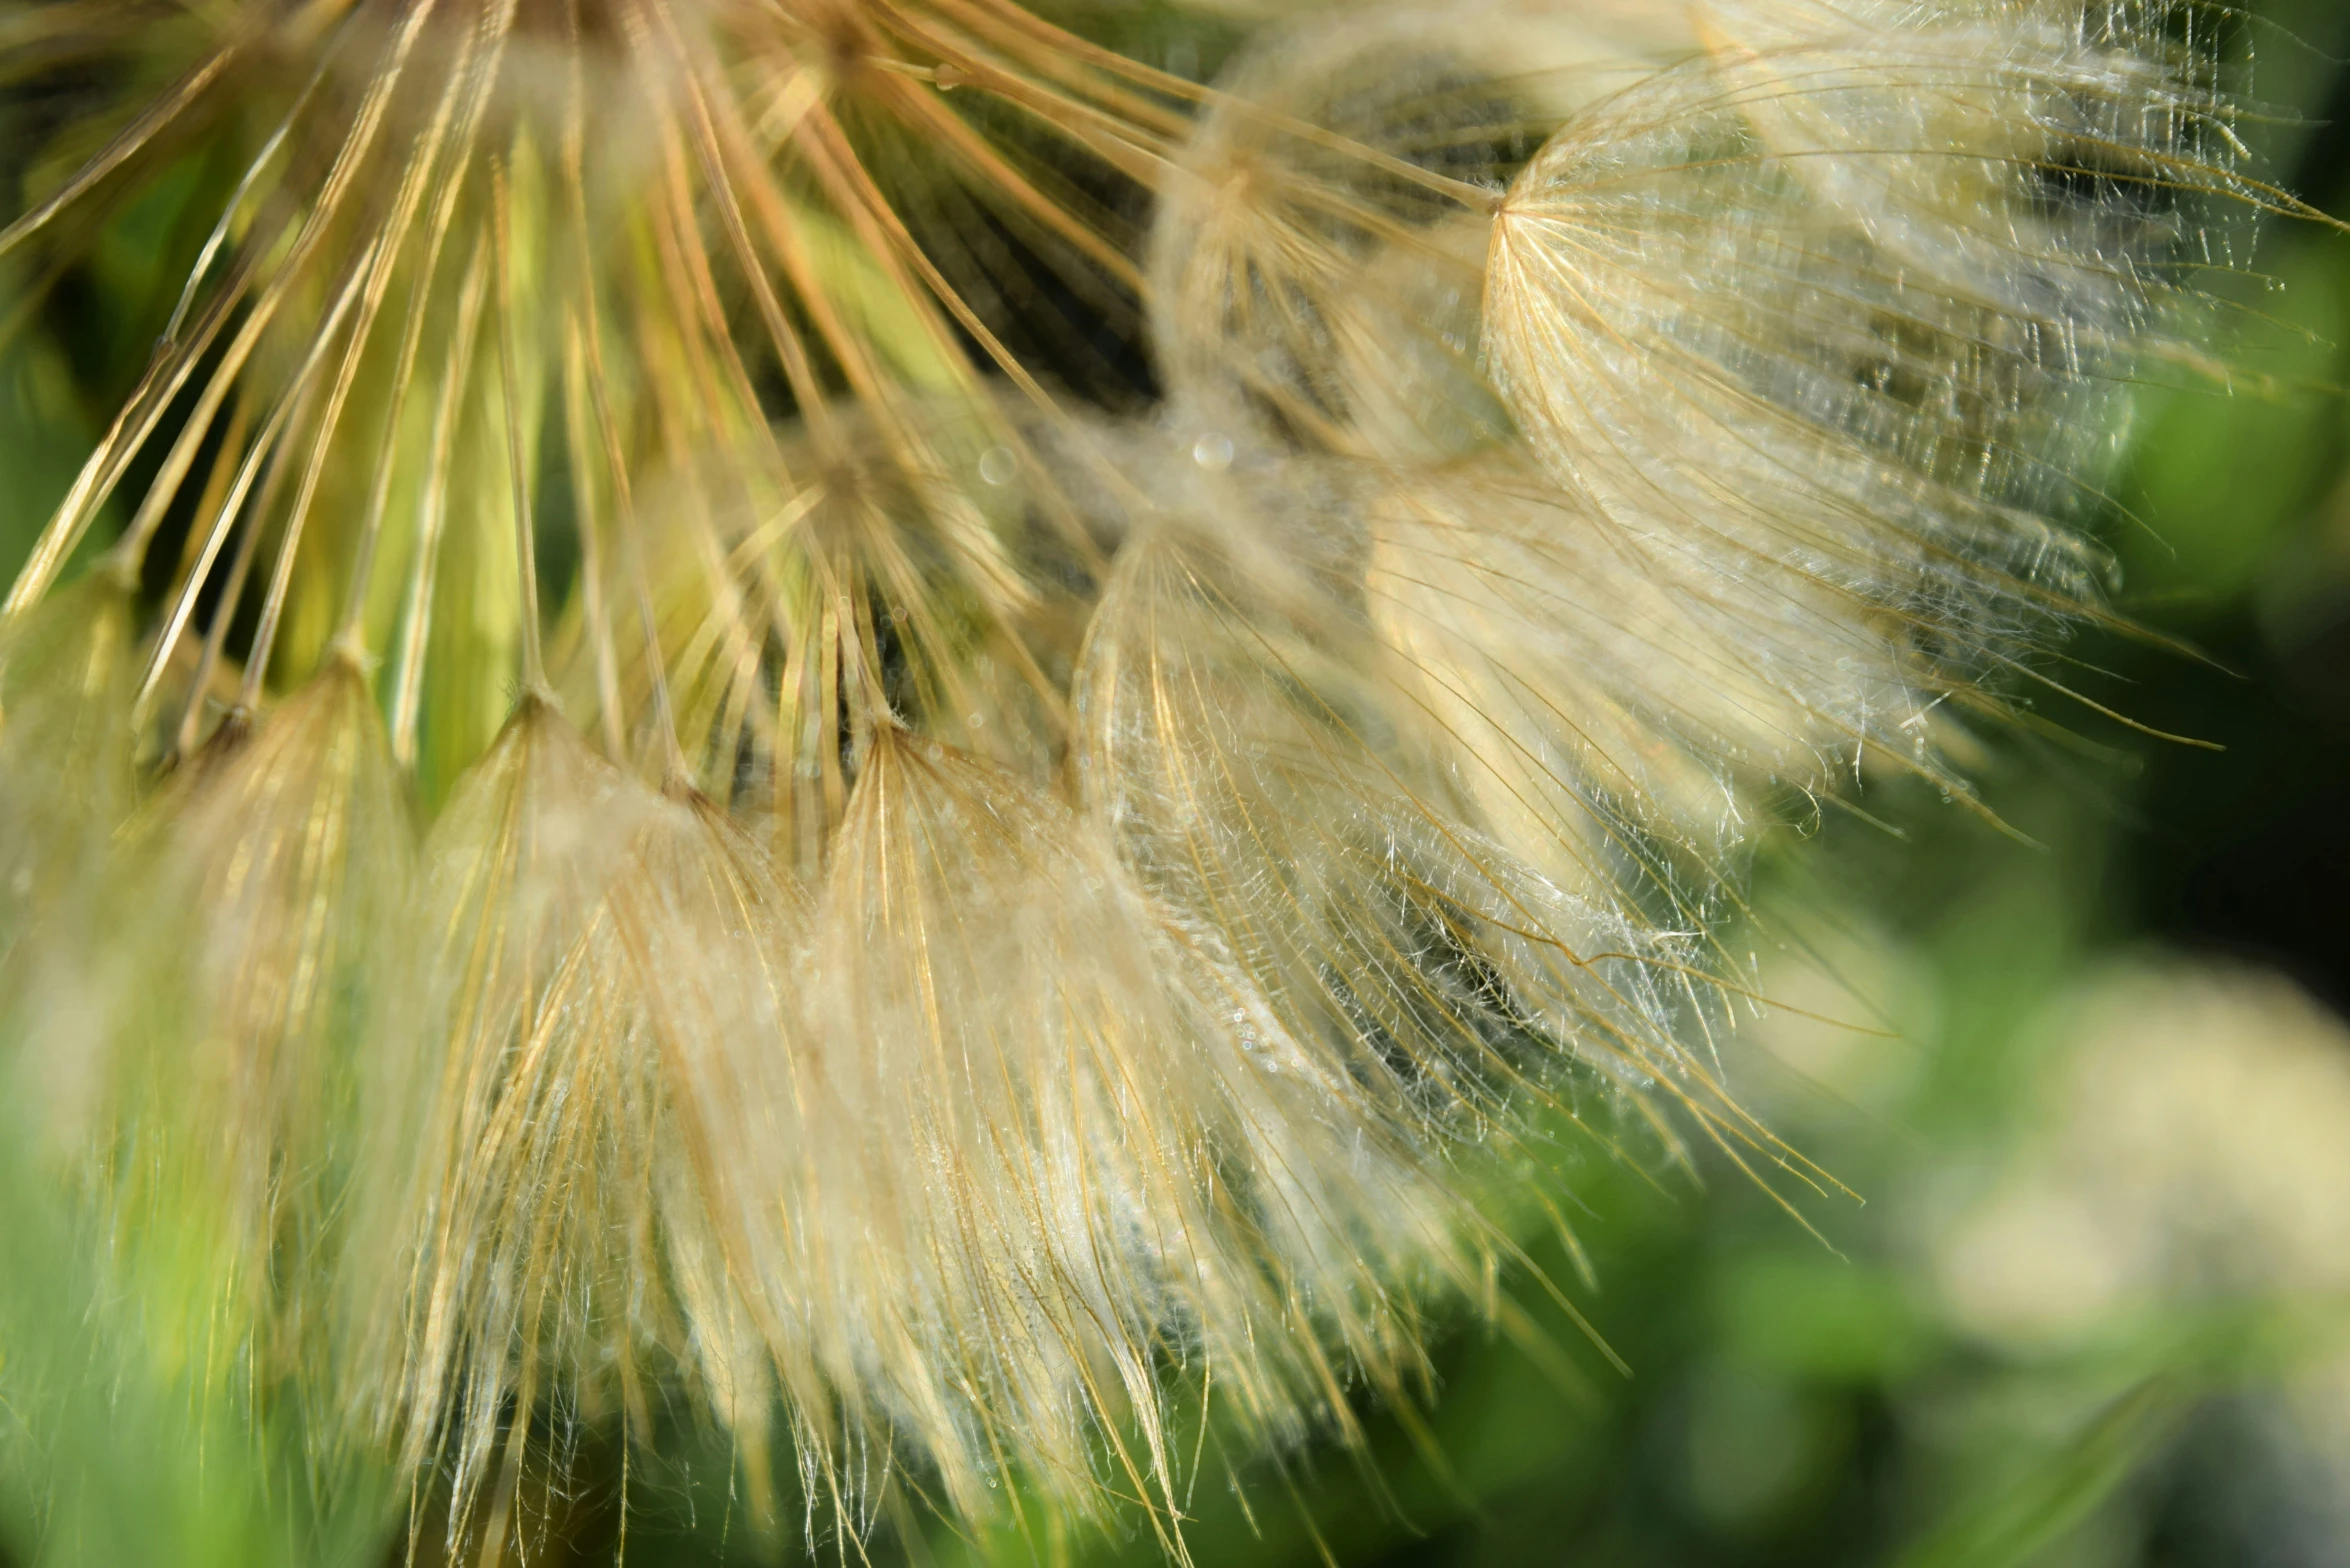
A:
x,y
874,717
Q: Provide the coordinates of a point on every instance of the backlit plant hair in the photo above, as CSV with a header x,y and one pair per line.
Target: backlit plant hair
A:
x,y
646,763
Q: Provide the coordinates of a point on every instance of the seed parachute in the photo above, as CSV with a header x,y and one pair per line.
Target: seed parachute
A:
x,y
869,715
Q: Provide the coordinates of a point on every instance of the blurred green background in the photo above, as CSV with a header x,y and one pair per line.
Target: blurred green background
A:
x,y
2088,1299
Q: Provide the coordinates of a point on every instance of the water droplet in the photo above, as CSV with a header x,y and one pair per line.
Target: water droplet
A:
x,y
1213,451
997,465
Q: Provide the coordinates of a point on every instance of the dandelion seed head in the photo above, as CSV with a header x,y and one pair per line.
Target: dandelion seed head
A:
x,y
734,811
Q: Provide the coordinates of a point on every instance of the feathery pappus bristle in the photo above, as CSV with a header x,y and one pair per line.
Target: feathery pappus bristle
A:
x,y
738,809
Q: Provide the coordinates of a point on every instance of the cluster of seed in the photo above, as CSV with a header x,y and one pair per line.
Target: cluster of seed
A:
x,y
1049,707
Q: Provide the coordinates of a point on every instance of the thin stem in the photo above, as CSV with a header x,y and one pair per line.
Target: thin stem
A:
x,y
128,143
534,663
232,591
293,402
416,622
484,72
106,465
